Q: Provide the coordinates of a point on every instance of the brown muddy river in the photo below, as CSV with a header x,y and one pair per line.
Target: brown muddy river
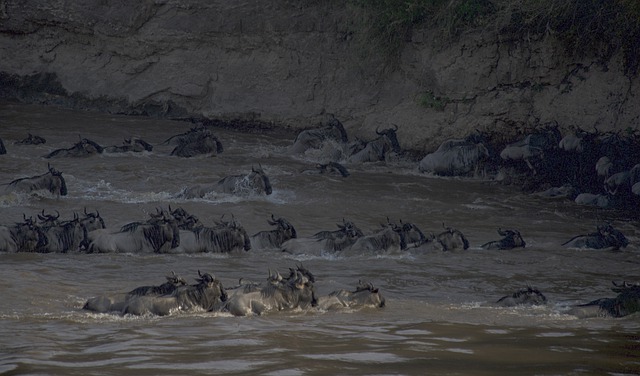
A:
x,y
439,318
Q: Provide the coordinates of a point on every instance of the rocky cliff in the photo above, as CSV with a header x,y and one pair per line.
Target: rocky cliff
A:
x,y
288,63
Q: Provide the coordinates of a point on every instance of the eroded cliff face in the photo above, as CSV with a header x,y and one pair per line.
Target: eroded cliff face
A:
x,y
289,63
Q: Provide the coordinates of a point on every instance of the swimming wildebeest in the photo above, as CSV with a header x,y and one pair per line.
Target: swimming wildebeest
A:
x,y
278,294
451,239
511,239
377,149
92,221
225,237
3,150
23,236
316,138
525,296
117,302
273,239
158,235
459,157
64,236
606,236
51,181
365,295
625,303
136,145
200,142
325,241
184,220
206,295
83,148
31,140
255,182
390,238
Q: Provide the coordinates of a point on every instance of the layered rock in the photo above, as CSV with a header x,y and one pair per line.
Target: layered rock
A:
x,y
289,63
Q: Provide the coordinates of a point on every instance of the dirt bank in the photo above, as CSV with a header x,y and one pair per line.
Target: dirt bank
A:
x,y
288,63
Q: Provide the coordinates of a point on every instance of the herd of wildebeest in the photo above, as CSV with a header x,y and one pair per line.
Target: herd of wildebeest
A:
x,y
591,168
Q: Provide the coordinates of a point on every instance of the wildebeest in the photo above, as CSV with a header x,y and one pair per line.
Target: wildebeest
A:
x,y
65,236
592,199
278,294
315,138
92,221
51,181
325,241
525,296
3,150
117,302
365,295
535,144
225,237
200,142
391,238
346,229
458,157
184,220
606,236
377,149
511,239
255,182
273,239
23,236
83,148
625,303
621,182
158,236
31,140
452,239
331,168
134,144
207,295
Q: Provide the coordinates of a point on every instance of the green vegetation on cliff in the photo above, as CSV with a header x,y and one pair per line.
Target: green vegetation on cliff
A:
x,y
598,28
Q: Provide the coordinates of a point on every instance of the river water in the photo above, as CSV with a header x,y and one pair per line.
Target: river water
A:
x,y
439,317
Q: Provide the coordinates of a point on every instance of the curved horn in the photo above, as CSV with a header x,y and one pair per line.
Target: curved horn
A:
x,y
378,133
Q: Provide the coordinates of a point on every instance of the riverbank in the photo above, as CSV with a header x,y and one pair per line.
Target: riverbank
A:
x,y
287,65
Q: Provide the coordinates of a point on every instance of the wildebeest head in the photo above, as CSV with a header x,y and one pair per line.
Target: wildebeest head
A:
x,y
260,181
367,294
390,133
527,296
511,239
624,286
57,183
163,228
410,235
213,284
613,237
304,289
90,147
92,221
48,220
237,231
284,226
185,220
29,236
138,144
337,125
451,239
302,270
31,140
